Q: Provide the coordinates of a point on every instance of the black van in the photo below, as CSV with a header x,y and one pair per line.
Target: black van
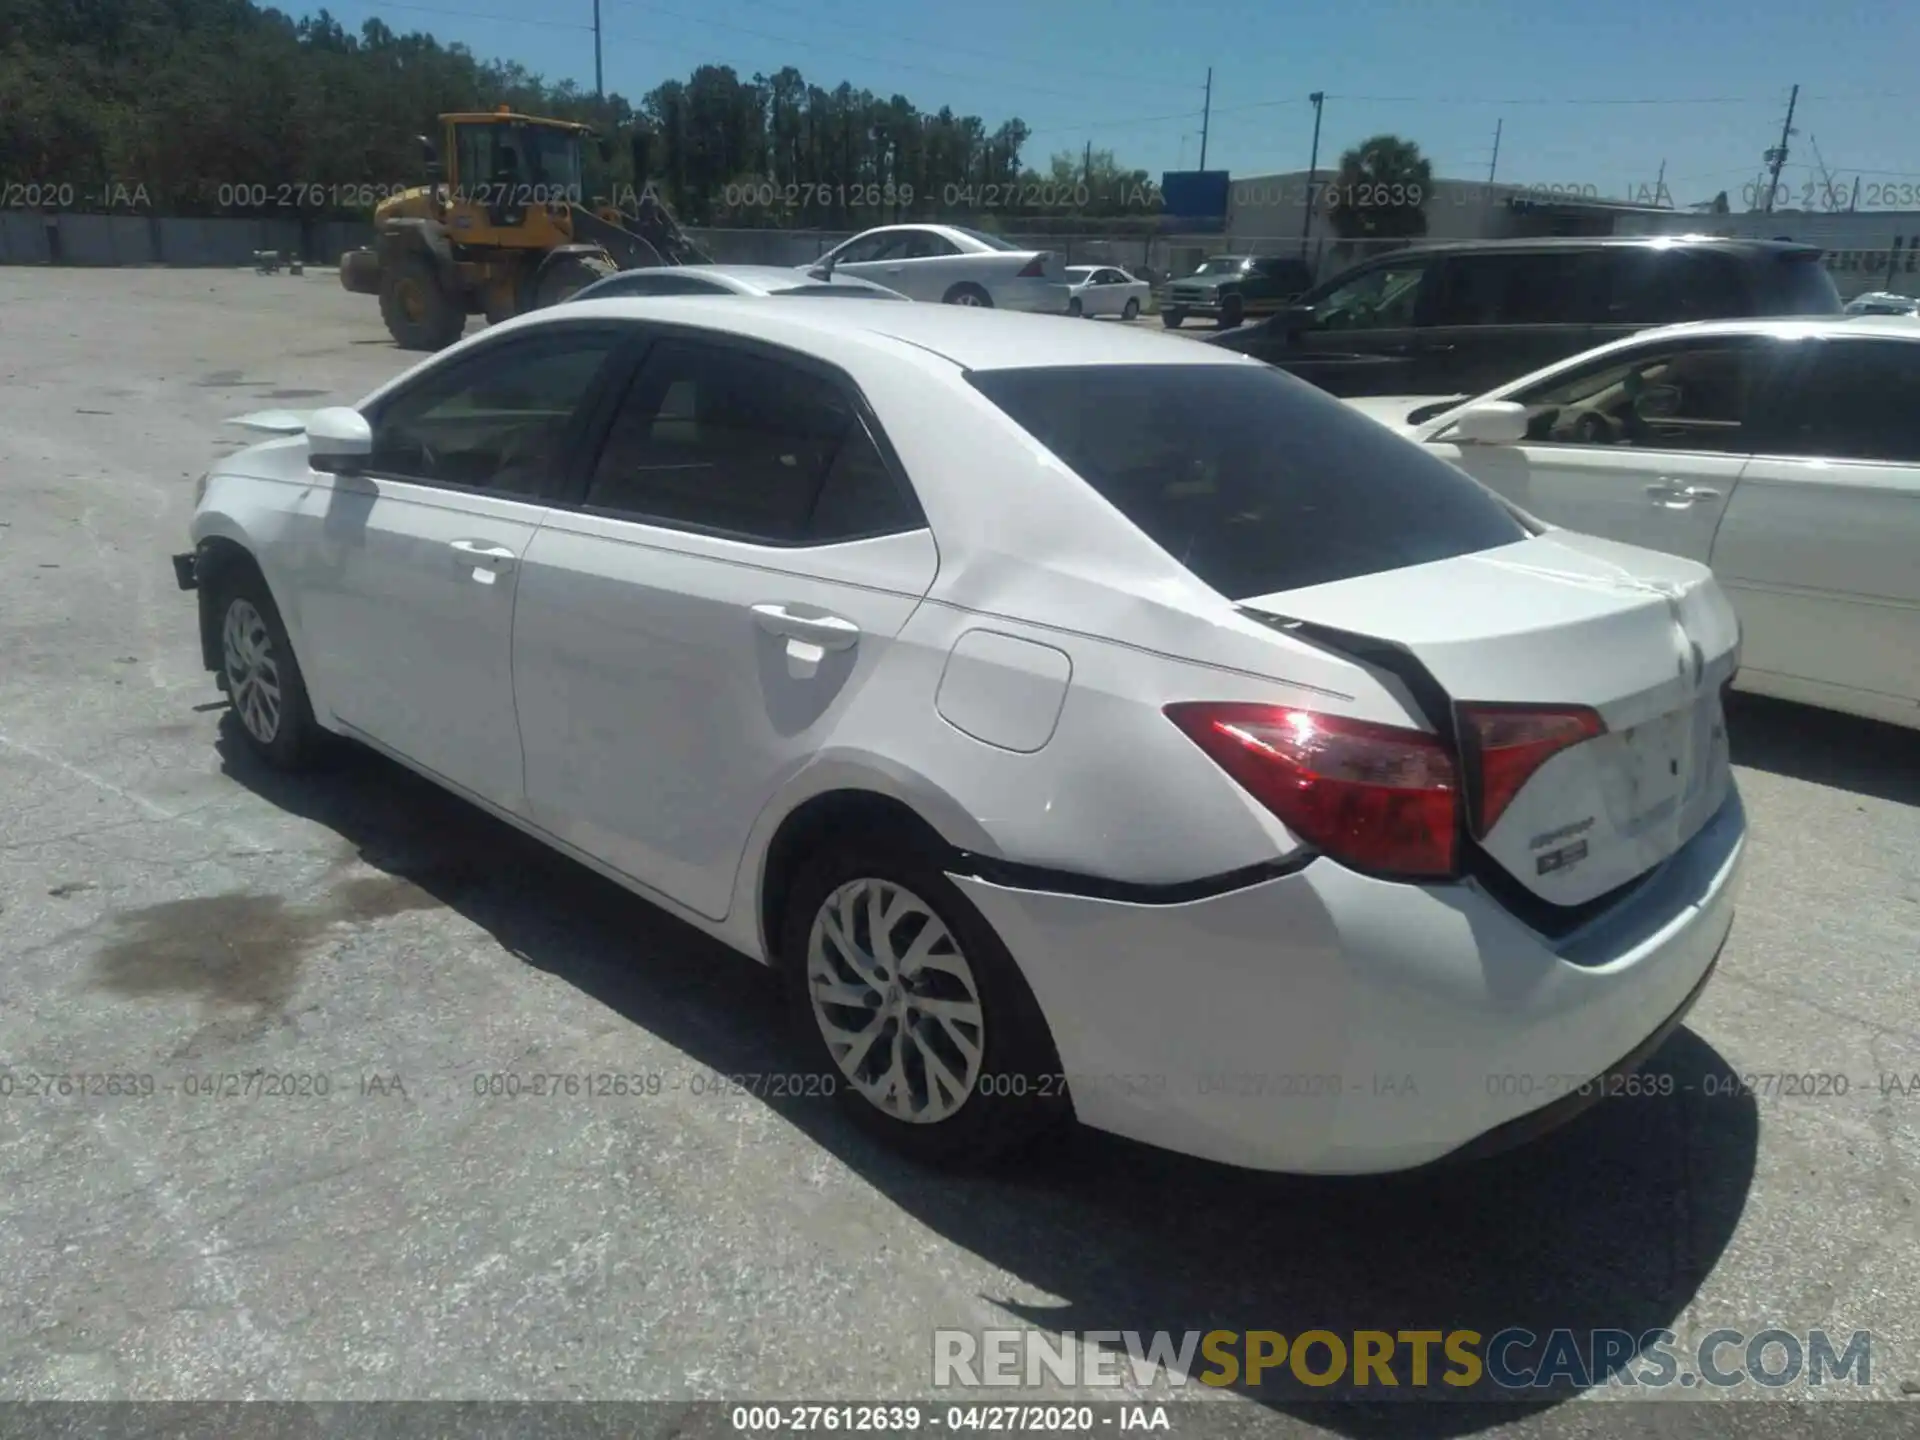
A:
x,y
1457,319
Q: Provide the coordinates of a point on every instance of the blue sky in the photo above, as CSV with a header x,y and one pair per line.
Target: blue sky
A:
x,y
1702,90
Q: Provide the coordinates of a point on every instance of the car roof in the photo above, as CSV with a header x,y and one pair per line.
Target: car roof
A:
x,y
1611,242
1896,327
964,336
757,277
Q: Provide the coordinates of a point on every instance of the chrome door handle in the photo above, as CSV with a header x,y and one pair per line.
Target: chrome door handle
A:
x,y
829,632
1680,497
482,554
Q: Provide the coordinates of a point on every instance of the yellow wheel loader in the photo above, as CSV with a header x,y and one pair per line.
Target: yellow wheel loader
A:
x,y
502,227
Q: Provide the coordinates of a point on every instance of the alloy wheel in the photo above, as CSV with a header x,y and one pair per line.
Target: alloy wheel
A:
x,y
896,1001
253,671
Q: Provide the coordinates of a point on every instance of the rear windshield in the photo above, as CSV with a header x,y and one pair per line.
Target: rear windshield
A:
x,y
1255,481
1801,285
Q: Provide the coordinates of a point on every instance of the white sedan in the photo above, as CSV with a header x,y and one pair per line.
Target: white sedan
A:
x,y
1181,752
951,265
1105,290
759,281
1783,453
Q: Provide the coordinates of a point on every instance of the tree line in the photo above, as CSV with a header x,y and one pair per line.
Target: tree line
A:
x,y
208,107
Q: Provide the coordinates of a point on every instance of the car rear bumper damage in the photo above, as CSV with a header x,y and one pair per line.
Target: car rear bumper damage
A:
x,y
1326,1022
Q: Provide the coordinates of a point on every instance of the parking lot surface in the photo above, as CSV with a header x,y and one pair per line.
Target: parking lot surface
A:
x,y
367,1210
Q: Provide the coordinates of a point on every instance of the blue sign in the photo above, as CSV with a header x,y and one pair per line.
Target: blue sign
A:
x,y
1194,194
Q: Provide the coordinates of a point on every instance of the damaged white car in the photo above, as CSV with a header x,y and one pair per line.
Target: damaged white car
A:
x,y
1086,726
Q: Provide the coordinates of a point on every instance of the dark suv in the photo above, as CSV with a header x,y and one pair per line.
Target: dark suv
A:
x,y
1462,318
1228,289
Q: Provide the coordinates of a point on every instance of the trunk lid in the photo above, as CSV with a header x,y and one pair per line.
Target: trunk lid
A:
x,y
1646,640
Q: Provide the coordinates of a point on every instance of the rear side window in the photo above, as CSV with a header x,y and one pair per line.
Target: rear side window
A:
x,y
1253,480
712,438
1543,288
1647,285
1797,284
1859,400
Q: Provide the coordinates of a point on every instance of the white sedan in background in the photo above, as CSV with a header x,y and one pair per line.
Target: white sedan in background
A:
x,y
951,265
1105,290
756,280
1783,453
1178,729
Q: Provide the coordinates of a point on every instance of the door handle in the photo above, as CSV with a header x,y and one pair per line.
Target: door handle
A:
x,y
829,632
1679,497
482,554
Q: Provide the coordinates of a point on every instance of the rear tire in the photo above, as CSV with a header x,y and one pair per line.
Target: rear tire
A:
x,y
957,1086
1172,319
571,274
1232,313
967,293
263,679
419,312
1131,311
1075,308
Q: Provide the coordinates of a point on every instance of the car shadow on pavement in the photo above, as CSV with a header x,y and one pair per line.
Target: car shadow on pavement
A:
x,y
1611,1223
1824,747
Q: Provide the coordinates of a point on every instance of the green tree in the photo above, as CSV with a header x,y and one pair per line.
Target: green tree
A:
x,y
1380,191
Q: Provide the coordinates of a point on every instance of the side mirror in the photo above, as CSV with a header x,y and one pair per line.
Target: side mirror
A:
x,y
1294,318
1492,422
338,438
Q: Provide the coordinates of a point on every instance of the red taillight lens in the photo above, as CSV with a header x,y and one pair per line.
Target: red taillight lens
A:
x,y
1512,742
1036,268
1375,797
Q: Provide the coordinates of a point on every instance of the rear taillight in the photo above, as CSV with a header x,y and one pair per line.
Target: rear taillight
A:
x,y
1035,269
1375,797
1508,743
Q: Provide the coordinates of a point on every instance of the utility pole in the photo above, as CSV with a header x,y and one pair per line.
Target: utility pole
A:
x,y
1777,157
1318,98
1206,117
1660,181
599,90
1086,166
1495,165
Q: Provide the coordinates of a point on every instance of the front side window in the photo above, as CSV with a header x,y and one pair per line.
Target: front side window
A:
x,y
1253,480
862,248
715,439
1386,297
1859,400
497,421
1694,397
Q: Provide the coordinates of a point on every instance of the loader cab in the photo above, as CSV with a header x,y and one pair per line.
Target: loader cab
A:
x,y
511,180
